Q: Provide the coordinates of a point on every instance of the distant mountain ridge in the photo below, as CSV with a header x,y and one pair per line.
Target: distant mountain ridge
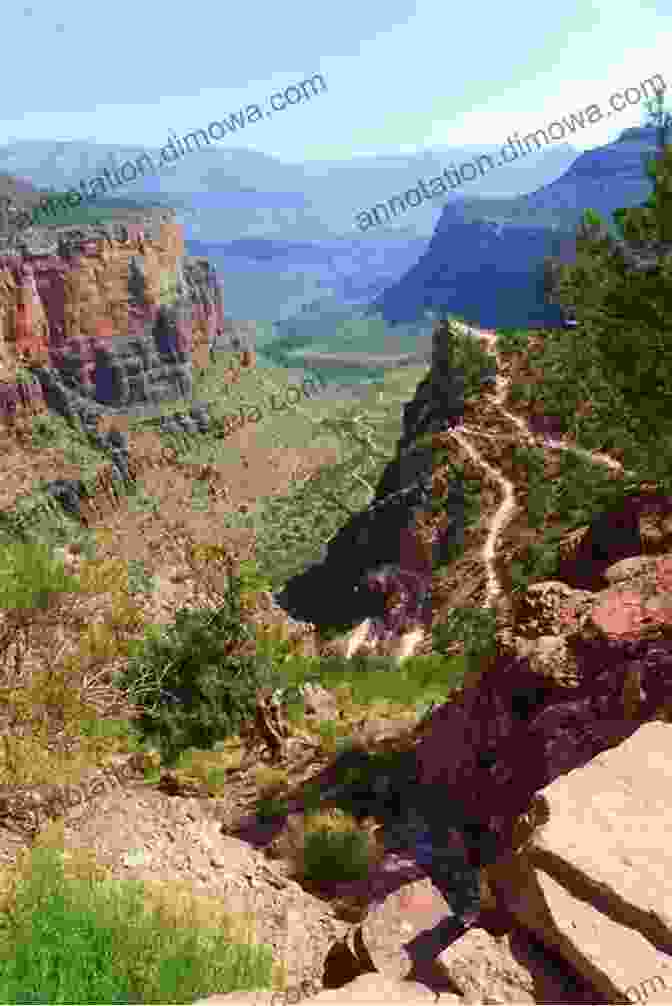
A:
x,y
485,258
230,193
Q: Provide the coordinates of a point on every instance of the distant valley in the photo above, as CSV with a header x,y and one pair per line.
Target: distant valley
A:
x,y
289,257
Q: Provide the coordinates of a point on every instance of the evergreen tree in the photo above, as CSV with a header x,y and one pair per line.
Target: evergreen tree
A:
x,y
661,118
621,292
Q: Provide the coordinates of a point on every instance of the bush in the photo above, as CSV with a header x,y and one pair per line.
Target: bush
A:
x,y
335,848
463,354
196,681
476,627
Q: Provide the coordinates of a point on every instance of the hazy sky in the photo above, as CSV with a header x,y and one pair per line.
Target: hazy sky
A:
x,y
401,75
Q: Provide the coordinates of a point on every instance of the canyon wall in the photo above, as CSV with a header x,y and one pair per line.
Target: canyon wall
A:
x,y
485,259
119,313
396,540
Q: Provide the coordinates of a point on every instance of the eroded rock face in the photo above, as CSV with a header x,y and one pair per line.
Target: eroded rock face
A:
x,y
113,309
586,672
391,541
594,881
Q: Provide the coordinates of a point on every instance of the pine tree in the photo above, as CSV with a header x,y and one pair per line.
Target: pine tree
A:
x,y
661,118
621,292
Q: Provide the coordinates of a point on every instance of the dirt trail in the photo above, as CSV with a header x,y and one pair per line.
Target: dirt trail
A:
x,y
467,436
508,507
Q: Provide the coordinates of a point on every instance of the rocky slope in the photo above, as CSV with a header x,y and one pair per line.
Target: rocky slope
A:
x,y
501,875
394,543
521,865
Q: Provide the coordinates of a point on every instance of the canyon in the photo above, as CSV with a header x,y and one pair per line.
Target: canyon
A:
x,y
543,778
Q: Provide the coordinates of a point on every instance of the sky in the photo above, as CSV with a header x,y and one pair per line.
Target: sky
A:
x,y
400,75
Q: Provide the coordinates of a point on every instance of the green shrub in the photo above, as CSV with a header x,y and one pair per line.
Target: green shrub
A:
x,y
139,580
475,627
196,680
335,848
512,340
464,354
269,807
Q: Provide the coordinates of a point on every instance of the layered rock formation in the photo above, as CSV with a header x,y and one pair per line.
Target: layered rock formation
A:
x,y
118,312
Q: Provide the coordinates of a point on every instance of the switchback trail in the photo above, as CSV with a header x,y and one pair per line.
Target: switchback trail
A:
x,y
508,507
466,435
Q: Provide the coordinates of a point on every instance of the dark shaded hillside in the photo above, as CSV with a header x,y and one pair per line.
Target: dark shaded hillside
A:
x,y
485,259
479,270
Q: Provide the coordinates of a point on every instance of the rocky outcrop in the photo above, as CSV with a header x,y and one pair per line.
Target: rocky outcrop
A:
x,y
549,702
576,911
593,882
119,313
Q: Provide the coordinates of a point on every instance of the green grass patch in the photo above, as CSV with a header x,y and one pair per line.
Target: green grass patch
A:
x,y
369,680
334,848
78,941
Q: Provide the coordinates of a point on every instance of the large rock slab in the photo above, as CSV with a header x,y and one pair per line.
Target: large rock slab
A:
x,y
609,955
610,831
509,969
595,881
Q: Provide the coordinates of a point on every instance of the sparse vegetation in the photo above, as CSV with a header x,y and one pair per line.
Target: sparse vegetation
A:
x,y
334,848
84,939
118,683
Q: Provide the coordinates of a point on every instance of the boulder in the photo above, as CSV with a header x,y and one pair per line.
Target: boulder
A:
x,y
550,657
549,607
629,571
510,968
409,927
594,882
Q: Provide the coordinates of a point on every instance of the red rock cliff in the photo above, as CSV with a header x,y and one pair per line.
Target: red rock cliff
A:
x,y
70,298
